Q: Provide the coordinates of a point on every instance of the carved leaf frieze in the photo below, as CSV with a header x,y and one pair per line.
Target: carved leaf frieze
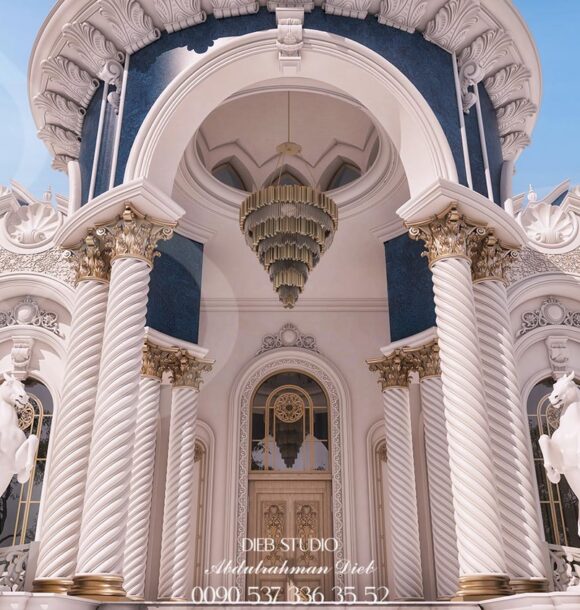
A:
x,y
61,111
50,262
451,23
357,9
402,14
513,115
69,79
62,141
179,14
93,47
233,8
513,143
506,84
130,23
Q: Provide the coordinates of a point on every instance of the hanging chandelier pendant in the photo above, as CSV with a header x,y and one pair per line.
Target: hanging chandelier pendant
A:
x,y
289,227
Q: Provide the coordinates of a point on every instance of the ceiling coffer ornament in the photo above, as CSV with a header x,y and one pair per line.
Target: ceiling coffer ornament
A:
x,y
289,228
179,14
451,23
130,23
402,14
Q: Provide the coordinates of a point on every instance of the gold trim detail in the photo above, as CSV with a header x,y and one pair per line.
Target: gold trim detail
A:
x,y
393,370
155,360
478,587
187,369
445,235
490,259
289,407
529,585
105,587
52,585
425,359
132,235
91,259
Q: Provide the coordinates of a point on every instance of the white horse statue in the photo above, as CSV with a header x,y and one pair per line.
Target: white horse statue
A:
x,y
16,451
562,452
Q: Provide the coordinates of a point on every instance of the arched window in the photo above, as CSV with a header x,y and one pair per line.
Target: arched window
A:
x,y
346,173
19,506
558,502
227,174
290,425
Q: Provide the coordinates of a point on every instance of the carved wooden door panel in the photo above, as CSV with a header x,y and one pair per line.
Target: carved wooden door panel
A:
x,y
296,514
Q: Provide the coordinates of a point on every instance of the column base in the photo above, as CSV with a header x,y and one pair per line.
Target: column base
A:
x,y
52,585
477,587
101,587
529,585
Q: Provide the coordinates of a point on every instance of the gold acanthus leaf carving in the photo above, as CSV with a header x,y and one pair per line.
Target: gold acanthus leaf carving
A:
x,y
187,369
155,360
133,235
393,370
425,359
91,259
490,259
274,520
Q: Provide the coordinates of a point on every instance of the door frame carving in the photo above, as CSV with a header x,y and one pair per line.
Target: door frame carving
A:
x,y
330,379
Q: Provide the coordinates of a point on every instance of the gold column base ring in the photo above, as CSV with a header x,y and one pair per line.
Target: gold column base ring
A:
x,y
101,587
477,587
52,585
529,585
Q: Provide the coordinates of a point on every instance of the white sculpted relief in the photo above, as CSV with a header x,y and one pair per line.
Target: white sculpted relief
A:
x,y
561,455
16,451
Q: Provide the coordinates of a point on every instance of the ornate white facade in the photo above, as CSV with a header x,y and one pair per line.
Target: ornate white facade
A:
x,y
134,311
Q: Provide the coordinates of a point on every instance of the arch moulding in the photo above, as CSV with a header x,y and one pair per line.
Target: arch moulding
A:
x,y
251,377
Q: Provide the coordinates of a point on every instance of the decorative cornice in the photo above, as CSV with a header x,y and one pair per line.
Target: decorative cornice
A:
x,y
187,369
358,9
513,143
179,14
477,60
61,141
94,48
445,235
393,370
402,14
130,23
550,313
61,111
233,8
513,115
451,24
506,84
490,260
134,236
66,77
91,259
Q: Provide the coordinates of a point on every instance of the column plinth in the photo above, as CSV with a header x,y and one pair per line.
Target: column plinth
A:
x,y
520,519
99,572
177,544
482,561
403,514
65,485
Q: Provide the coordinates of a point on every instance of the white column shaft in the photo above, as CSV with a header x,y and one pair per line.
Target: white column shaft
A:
x,y
404,525
477,516
440,492
107,494
520,519
177,549
140,496
71,437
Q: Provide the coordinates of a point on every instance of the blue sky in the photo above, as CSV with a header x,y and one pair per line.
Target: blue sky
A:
x,y
553,156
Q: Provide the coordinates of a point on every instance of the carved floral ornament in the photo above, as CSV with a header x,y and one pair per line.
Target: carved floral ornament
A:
x,y
33,225
451,234
28,312
186,370
394,369
288,336
96,47
550,313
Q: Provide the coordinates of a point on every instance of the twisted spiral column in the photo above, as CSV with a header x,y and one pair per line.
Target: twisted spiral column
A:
x,y
403,517
477,516
177,550
70,441
141,486
105,510
440,492
520,519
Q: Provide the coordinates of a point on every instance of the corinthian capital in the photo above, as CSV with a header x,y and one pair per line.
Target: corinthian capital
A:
x,y
155,360
187,369
134,236
393,370
91,259
445,235
426,360
490,259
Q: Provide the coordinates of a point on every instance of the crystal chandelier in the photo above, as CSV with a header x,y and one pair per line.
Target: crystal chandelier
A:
x,y
289,227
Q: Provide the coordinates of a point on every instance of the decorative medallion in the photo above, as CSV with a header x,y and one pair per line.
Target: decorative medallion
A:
x,y
28,313
288,336
26,413
547,225
32,225
289,407
551,312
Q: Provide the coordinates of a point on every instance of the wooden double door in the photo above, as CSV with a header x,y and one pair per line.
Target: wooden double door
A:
x,y
290,524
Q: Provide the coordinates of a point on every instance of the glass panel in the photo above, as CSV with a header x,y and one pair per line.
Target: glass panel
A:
x,y
8,510
258,455
289,440
345,174
258,425
228,175
321,424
